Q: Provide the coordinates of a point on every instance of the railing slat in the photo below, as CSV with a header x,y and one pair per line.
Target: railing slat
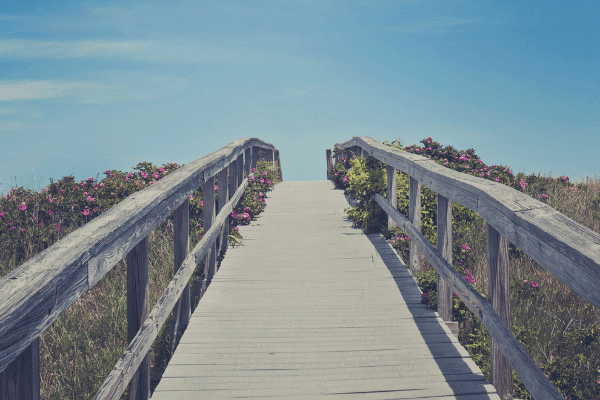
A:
x,y
21,379
414,213
208,216
277,163
223,199
392,194
444,247
499,295
533,378
137,312
181,247
115,383
247,160
329,165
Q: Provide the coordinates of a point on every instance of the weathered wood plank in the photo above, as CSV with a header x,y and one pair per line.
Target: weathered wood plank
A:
x,y
115,383
223,199
277,163
329,165
38,292
208,216
181,248
138,296
392,194
533,378
499,295
567,249
414,215
444,247
21,379
248,161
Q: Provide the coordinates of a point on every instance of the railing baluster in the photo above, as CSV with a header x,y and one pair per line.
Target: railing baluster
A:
x,y
223,199
254,158
137,312
21,379
240,170
414,215
392,195
499,296
444,247
208,215
247,159
181,247
329,166
277,162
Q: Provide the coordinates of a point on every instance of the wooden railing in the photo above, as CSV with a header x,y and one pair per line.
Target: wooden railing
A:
x,y
34,295
570,251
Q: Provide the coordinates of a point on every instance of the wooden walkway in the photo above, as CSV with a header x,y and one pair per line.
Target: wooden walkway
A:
x,y
311,308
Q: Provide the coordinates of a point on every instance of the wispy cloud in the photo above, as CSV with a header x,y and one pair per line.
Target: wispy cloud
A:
x,y
16,125
23,90
432,24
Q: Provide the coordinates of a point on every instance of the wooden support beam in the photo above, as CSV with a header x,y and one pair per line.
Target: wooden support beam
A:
x,y
222,200
21,379
329,165
137,312
240,170
499,296
248,160
181,248
208,215
277,163
255,151
444,248
392,195
414,215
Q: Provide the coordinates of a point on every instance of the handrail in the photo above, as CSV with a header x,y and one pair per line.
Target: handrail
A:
x,y
34,295
565,248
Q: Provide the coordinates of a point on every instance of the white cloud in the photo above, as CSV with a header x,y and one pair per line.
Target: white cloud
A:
x,y
23,90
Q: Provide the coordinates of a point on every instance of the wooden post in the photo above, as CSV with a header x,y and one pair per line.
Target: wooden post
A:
x,y
414,215
255,151
336,154
208,214
137,312
240,170
499,296
181,247
329,166
247,160
21,379
392,195
278,164
223,199
444,248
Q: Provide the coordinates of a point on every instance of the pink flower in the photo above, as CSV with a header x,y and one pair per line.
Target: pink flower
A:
x,y
23,206
216,187
201,203
268,182
247,209
260,194
251,178
544,195
161,169
191,196
497,179
246,216
235,228
234,214
264,173
467,166
156,175
86,212
49,212
1,213
345,179
144,175
262,180
534,284
58,228
74,188
107,172
336,174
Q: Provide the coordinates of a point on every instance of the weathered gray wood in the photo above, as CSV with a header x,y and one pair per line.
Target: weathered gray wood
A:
x,y
533,378
329,165
567,249
21,379
223,199
414,213
277,162
254,158
309,324
117,380
208,215
499,295
444,247
181,248
248,156
240,170
392,194
137,312
38,292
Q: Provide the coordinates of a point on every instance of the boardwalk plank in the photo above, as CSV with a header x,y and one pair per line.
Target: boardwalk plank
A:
x,y
311,308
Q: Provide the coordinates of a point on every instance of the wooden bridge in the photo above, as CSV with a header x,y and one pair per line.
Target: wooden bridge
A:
x,y
309,307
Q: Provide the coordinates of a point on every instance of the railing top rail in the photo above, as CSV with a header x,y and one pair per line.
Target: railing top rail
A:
x,y
34,295
562,246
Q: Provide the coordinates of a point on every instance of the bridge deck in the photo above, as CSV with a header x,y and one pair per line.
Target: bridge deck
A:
x,y
311,308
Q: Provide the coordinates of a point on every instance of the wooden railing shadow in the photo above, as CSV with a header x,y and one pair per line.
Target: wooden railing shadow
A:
x,y
37,293
570,251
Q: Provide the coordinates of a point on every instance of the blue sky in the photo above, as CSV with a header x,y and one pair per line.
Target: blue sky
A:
x,y
90,86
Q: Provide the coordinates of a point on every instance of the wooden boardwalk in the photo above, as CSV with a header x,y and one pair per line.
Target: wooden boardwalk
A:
x,y
311,308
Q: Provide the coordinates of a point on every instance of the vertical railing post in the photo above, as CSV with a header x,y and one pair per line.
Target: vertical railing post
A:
x,y
137,312
414,214
21,379
247,157
181,248
499,296
329,166
208,215
223,199
336,155
240,170
277,162
254,162
444,248
392,196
